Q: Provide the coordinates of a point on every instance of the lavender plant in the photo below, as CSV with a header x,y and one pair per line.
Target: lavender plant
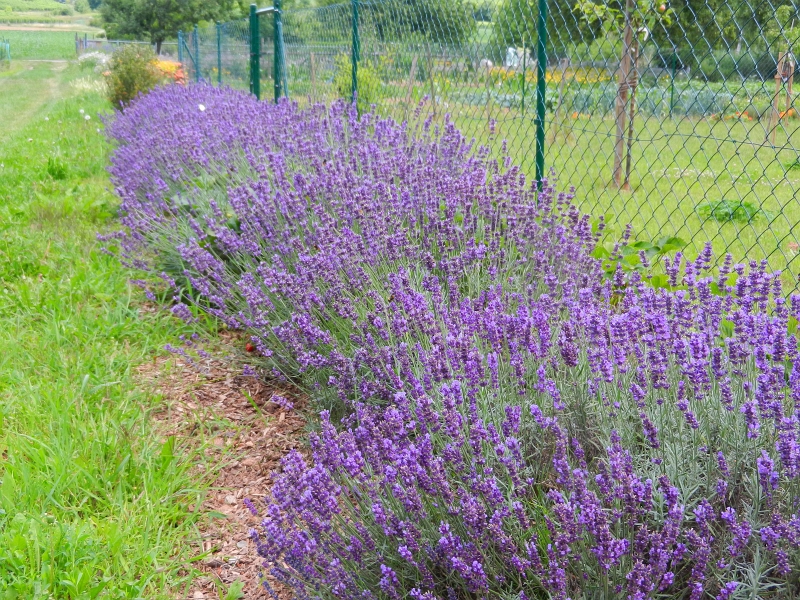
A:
x,y
500,419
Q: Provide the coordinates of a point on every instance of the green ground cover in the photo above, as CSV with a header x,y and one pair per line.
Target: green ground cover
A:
x,y
40,45
93,501
29,5
679,166
28,18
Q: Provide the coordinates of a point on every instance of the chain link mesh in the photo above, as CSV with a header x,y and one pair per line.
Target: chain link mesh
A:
x,y
677,117
218,54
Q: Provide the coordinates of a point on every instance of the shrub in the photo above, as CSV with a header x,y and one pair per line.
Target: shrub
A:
x,y
132,72
511,423
367,79
82,6
170,71
94,60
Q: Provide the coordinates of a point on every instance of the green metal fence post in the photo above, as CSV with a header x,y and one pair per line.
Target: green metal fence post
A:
x,y
356,51
524,72
219,54
196,56
541,89
277,43
180,47
672,81
255,53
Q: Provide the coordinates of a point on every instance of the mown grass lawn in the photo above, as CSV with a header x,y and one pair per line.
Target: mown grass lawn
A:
x,y
678,165
40,44
93,501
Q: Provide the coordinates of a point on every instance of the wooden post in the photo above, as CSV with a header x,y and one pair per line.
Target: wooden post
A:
x,y
634,81
564,62
622,96
313,67
412,76
775,115
784,75
430,76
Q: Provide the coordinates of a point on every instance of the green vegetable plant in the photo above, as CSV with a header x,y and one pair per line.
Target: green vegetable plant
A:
x,y
732,210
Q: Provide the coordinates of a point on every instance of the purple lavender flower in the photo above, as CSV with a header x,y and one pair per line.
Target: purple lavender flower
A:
x,y
421,285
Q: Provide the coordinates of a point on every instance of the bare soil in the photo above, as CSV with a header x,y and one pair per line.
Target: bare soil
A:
x,y
211,407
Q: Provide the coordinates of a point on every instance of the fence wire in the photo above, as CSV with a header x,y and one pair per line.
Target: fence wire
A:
x,y
217,54
676,117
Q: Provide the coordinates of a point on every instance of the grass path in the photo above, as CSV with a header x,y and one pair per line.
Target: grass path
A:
x,y
94,503
28,89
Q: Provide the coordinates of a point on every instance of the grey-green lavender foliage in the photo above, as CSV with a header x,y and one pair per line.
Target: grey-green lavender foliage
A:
x,y
516,424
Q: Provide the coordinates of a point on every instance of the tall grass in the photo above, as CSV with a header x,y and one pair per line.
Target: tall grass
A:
x,y
94,502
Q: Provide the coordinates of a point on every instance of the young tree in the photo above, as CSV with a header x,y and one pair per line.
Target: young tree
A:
x,y
633,20
160,20
442,21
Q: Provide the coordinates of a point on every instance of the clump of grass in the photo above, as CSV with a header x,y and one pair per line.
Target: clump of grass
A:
x,y
56,167
732,210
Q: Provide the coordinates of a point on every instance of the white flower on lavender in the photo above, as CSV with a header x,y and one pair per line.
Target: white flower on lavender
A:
x,y
201,107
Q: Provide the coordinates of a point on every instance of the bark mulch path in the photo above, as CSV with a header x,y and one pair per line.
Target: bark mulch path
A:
x,y
239,434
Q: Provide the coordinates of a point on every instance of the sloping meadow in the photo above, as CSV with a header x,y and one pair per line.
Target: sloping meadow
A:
x,y
497,418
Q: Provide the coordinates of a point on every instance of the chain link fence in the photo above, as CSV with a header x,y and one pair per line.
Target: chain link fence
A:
x,y
217,54
676,117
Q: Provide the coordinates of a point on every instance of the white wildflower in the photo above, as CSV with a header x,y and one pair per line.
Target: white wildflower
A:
x,y
201,107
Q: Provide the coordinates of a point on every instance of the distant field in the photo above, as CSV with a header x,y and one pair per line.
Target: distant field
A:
x,y
25,5
33,44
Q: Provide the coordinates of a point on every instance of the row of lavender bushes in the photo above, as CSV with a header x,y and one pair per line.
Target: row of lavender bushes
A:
x,y
497,419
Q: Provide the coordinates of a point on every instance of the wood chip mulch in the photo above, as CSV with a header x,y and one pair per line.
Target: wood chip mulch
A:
x,y
206,407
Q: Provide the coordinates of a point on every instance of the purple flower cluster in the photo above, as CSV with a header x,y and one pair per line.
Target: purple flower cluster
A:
x,y
498,418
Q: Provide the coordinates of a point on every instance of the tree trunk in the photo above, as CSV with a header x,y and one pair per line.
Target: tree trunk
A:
x,y
626,185
622,95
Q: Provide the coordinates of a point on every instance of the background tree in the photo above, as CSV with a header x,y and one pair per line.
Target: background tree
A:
x,y
160,20
441,21
515,26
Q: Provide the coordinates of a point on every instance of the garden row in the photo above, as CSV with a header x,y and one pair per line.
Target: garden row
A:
x,y
497,416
